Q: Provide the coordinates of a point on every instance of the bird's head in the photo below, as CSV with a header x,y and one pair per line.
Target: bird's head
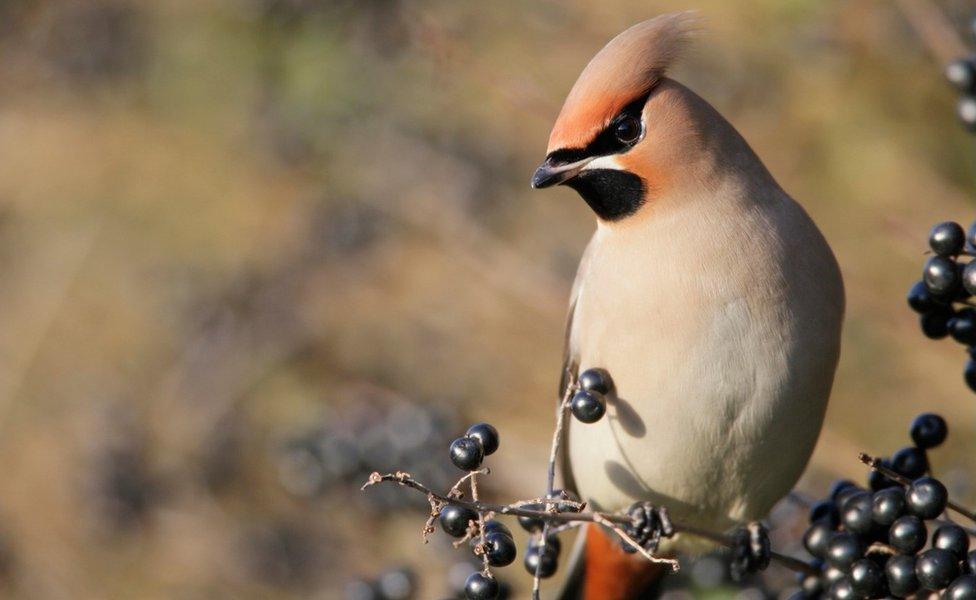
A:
x,y
617,138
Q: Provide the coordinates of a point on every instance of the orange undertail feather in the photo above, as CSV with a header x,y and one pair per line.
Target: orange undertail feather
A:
x,y
606,572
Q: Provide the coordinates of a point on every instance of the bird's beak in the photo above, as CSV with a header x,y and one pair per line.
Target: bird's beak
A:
x,y
554,172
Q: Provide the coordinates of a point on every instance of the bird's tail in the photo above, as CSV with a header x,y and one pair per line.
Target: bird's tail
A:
x,y
600,570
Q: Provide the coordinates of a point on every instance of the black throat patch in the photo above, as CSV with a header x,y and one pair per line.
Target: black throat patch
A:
x,y
612,194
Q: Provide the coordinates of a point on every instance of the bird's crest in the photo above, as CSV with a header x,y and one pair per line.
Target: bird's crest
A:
x,y
624,70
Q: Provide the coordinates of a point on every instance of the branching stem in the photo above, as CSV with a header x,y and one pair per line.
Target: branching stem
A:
x,y
875,464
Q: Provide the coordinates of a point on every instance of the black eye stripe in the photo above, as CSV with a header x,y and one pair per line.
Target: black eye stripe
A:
x,y
606,142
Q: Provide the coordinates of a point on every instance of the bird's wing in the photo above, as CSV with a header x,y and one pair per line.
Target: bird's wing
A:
x,y
572,586
569,372
570,365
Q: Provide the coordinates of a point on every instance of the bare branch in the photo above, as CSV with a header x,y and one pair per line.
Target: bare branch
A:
x,y
563,518
675,567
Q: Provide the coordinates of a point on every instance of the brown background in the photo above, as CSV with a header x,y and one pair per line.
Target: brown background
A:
x,y
228,224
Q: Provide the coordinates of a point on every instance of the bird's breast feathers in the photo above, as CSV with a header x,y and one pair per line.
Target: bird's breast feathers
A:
x,y
720,327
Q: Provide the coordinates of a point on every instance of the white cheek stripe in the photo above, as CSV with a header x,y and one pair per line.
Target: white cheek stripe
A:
x,y
604,162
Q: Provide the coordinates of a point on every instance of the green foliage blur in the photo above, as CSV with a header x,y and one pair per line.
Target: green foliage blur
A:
x,y
240,237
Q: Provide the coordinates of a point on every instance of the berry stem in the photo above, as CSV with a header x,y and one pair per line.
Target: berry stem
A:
x,y
673,563
549,505
875,464
481,523
405,479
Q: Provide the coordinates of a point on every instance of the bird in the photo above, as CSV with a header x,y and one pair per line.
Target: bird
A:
x,y
708,295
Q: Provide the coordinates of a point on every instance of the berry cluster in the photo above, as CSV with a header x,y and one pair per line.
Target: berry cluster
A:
x,y
589,403
640,528
944,296
468,451
491,539
961,73
868,543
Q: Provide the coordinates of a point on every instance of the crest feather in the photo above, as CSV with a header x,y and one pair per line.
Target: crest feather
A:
x,y
625,69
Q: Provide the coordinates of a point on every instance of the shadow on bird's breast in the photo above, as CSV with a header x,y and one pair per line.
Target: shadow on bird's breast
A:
x,y
625,481
627,417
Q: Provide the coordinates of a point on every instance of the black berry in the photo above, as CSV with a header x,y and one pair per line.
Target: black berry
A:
x,y
552,544
970,564
500,549
816,539
545,559
962,327
496,526
843,549
947,238
832,574
887,505
596,380
588,407
963,588
926,497
935,324
900,573
531,524
928,430
467,453
878,481
910,462
480,587
969,373
486,434
856,511
961,74
825,510
966,111
811,585
868,578
842,589
838,487
952,538
920,300
454,519
941,276
969,278
936,568
907,534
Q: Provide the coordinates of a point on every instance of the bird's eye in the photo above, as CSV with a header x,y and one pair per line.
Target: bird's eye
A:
x,y
627,130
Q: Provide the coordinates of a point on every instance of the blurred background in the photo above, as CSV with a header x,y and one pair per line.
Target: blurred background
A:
x,y
252,250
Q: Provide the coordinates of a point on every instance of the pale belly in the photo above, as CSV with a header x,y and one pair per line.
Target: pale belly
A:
x,y
718,403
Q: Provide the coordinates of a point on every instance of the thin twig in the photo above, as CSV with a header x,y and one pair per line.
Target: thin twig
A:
x,y
456,488
635,545
404,479
481,523
875,464
557,437
794,564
